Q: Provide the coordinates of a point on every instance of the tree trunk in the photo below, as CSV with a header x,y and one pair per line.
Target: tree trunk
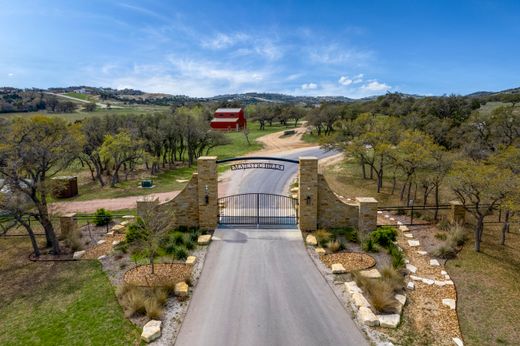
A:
x,y
505,228
363,168
31,236
409,193
436,215
394,183
478,232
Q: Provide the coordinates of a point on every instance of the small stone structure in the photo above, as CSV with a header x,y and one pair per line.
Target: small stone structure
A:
x,y
458,213
68,224
318,206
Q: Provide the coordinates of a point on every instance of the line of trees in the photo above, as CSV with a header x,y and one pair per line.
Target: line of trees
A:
x,y
475,154
34,150
116,143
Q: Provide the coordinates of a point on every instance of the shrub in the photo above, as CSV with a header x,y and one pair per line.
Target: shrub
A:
x,y
369,245
181,253
334,246
397,256
441,236
133,299
401,211
177,238
394,278
384,236
444,251
102,217
154,309
381,296
322,236
443,225
73,240
457,236
135,232
189,244
349,233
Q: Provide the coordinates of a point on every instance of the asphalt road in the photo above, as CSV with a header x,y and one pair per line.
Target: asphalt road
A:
x,y
259,286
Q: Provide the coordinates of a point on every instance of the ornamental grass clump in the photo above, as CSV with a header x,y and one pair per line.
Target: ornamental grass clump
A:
x,y
322,237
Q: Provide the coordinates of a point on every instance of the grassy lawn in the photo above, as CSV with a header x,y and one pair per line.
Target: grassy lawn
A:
x,y
488,289
57,303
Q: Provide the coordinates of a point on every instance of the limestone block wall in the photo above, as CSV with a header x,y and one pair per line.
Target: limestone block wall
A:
x,y
185,205
332,211
367,214
308,193
319,207
207,192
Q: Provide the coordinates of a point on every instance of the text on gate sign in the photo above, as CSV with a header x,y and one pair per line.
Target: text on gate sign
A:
x,y
261,165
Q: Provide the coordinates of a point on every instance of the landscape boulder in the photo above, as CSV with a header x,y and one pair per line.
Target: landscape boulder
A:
x,y
191,260
320,251
78,254
311,240
151,331
371,273
181,289
204,239
359,300
367,317
389,321
337,268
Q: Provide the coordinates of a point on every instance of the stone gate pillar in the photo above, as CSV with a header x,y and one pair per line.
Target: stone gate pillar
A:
x,y
68,224
367,217
207,192
457,213
308,193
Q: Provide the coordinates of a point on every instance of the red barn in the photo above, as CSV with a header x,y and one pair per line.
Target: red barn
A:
x,y
229,119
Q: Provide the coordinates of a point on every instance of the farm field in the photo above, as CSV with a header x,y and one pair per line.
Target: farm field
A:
x,y
57,303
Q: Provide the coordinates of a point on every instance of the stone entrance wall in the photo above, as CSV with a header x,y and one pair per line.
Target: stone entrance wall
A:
x,y
321,208
197,204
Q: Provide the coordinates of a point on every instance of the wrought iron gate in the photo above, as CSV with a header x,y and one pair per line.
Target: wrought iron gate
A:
x,y
258,209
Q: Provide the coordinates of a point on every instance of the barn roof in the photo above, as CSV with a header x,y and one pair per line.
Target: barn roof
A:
x,y
224,120
228,110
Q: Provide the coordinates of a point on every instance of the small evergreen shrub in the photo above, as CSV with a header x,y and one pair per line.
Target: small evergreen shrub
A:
x,y
369,245
102,217
384,236
135,232
181,253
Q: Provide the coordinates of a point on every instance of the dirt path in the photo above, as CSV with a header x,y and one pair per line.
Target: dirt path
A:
x,y
274,143
107,203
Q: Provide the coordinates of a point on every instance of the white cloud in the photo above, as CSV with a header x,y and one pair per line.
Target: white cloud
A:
x,y
333,55
309,86
344,80
221,40
375,86
357,79
10,75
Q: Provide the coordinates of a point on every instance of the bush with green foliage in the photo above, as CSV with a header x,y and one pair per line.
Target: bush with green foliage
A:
x,y
397,256
135,232
322,237
350,234
102,217
369,245
181,253
384,236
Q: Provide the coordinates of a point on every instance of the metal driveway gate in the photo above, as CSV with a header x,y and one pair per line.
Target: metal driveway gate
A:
x,y
258,209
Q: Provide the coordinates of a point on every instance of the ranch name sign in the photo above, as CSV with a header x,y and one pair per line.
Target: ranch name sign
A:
x,y
253,165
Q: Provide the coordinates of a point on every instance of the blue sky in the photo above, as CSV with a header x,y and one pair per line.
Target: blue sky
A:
x,y
206,48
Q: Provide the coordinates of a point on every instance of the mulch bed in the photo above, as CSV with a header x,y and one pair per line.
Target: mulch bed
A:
x,y
166,274
351,261
102,249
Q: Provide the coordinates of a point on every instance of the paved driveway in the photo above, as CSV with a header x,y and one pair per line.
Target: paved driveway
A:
x,y
259,287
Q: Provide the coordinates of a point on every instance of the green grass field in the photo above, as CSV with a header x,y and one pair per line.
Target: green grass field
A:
x,y
58,303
